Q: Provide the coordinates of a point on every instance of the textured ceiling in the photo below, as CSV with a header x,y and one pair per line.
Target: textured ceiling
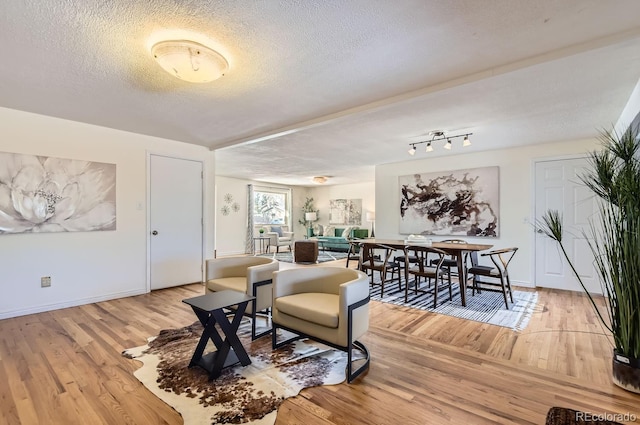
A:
x,y
333,87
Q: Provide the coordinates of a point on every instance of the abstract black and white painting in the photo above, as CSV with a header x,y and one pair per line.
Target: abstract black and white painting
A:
x,y
345,211
452,203
46,194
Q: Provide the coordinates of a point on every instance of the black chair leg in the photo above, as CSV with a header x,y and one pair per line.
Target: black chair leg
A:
x,y
509,286
435,292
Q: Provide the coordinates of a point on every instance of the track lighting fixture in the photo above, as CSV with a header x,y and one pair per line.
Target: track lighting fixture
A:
x,y
440,135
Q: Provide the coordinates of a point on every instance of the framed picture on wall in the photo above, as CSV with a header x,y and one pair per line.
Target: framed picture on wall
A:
x,y
452,203
47,194
345,211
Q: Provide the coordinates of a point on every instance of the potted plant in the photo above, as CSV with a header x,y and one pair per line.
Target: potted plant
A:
x,y
308,208
261,231
614,239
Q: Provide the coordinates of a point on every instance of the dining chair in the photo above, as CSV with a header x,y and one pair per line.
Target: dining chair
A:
x,y
355,253
426,268
450,262
402,259
377,257
493,277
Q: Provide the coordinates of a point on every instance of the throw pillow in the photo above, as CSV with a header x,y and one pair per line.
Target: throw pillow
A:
x,y
318,230
277,229
347,232
329,231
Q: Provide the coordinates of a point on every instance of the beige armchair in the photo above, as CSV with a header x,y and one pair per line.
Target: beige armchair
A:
x,y
327,304
251,275
277,240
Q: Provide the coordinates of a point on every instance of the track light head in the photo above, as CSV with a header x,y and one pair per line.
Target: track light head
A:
x,y
429,147
466,142
412,151
448,144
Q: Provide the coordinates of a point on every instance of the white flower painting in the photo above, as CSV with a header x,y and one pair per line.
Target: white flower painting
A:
x,y
45,194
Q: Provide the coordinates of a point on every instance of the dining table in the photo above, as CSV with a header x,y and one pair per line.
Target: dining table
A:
x,y
457,250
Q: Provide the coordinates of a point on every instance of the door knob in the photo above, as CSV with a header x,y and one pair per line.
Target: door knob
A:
x,y
155,232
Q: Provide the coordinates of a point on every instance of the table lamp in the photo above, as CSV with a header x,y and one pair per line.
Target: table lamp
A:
x,y
310,217
371,216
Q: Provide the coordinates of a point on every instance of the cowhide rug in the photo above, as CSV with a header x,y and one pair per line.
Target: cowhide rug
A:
x,y
248,394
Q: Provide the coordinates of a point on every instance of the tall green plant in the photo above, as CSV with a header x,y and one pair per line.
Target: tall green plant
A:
x,y
614,235
308,207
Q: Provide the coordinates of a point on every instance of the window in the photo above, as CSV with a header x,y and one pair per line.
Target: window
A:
x,y
271,206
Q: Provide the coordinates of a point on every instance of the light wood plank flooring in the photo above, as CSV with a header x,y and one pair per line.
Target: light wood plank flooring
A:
x,y
65,367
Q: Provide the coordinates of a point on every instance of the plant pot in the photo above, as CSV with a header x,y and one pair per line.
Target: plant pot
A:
x,y
626,372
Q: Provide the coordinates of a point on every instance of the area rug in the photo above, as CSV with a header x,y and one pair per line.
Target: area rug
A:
x,y
487,307
248,394
323,256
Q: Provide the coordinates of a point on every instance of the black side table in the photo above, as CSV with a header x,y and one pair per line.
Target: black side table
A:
x,y
209,309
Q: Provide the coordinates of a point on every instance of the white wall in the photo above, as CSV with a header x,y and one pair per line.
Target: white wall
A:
x,y
86,266
231,230
515,194
365,191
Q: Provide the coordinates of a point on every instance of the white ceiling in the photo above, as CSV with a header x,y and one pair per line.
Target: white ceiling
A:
x,y
351,82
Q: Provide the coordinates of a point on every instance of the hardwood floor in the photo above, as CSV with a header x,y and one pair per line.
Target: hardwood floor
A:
x,y
65,367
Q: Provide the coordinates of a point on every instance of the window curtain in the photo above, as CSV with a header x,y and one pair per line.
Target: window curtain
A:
x,y
249,242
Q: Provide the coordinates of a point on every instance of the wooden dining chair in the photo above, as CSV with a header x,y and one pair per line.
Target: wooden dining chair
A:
x,y
355,253
377,257
487,278
450,261
426,268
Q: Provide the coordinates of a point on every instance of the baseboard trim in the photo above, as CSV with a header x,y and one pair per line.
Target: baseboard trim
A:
x,y
72,303
227,254
522,284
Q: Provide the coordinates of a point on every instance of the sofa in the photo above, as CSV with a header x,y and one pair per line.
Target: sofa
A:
x,y
338,238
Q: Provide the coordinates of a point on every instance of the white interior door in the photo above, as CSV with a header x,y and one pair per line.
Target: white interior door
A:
x,y
558,187
175,212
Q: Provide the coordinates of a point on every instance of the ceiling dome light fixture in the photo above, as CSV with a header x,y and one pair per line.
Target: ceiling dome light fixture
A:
x,y
440,135
189,61
320,179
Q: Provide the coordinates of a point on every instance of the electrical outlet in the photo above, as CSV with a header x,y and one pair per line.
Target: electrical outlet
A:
x,y
45,281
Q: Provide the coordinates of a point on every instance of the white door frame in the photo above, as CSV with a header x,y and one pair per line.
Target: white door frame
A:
x,y
148,218
532,214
